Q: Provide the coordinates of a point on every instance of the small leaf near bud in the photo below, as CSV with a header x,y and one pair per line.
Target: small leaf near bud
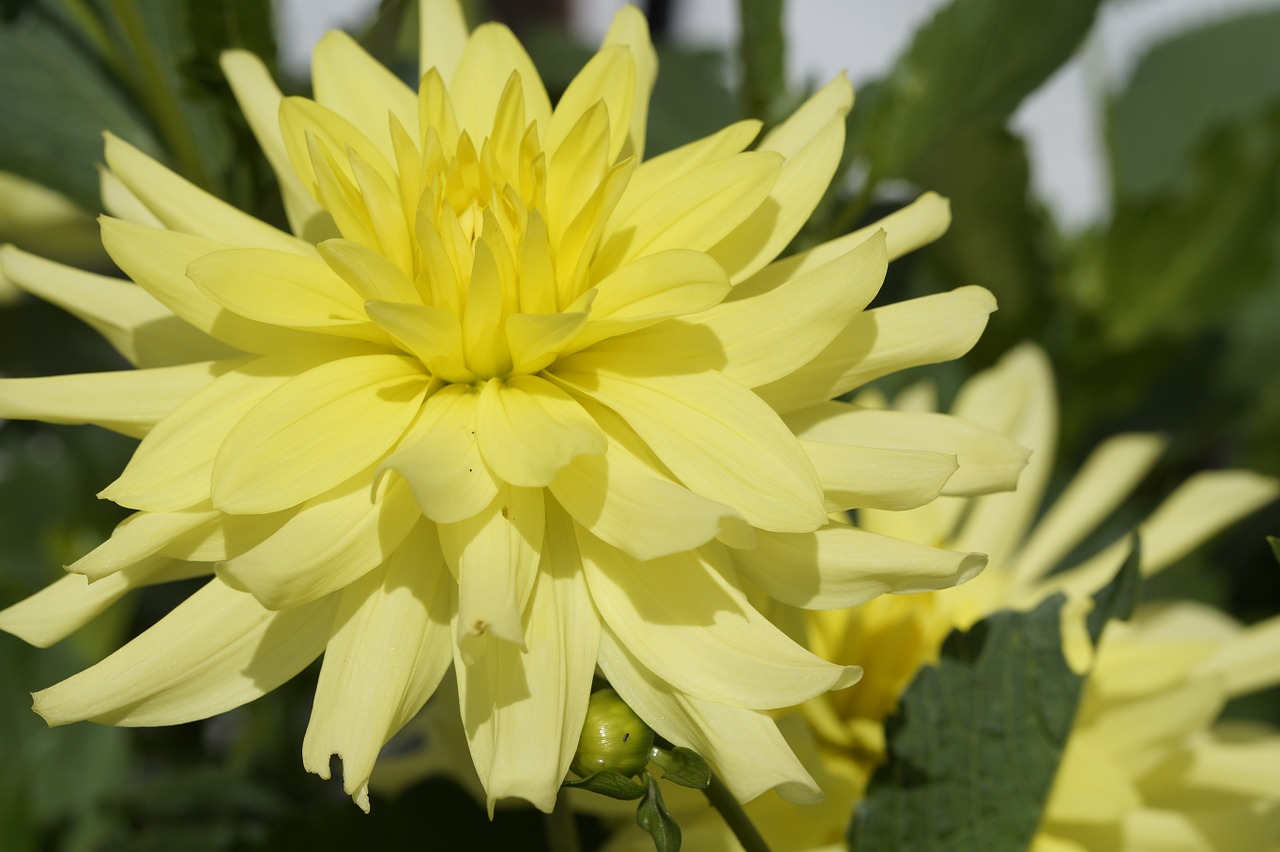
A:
x,y
613,738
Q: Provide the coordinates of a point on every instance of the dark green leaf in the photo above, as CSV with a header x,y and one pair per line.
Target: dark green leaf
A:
x,y
972,64
213,27
684,766
1184,89
762,49
1118,598
975,746
615,785
652,816
56,103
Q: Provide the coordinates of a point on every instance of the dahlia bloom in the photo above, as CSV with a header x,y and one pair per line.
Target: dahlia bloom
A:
x,y
1145,766
509,400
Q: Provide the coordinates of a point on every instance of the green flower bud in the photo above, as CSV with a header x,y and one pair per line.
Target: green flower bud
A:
x,y
613,738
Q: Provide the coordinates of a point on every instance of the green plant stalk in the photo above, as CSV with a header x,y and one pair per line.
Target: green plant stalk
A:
x,y
153,85
562,831
90,24
734,816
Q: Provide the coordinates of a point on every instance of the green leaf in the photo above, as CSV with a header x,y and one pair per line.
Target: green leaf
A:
x,y
975,746
998,236
56,103
683,766
1118,598
652,816
762,49
972,64
606,782
1180,263
1185,88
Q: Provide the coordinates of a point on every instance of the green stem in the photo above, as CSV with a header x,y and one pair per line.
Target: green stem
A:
x,y
562,831
855,209
90,25
153,83
734,816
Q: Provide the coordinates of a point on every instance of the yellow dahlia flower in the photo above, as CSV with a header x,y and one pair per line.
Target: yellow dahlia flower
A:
x,y
510,400
1144,767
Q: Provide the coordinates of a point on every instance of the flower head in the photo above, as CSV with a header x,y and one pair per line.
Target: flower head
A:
x,y
1145,759
510,399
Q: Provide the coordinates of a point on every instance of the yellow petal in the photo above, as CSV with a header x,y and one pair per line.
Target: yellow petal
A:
x,y
840,566
140,328
432,335
216,650
333,540
70,602
695,212
314,135
440,458
285,290
878,478
158,261
1090,786
926,330
609,78
523,709
171,468
714,435
442,34
184,207
988,461
743,746
359,88
259,100
315,431
771,335
1105,480
487,62
529,430
812,140
119,201
130,402
495,557
536,340
684,619
139,536
389,651
630,28
625,499
1249,662
368,273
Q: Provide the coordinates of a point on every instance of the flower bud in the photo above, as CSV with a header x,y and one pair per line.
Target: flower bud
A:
x,y
613,738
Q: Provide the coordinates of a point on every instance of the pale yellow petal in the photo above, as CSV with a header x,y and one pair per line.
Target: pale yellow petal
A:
x,y
988,461
683,617
368,273
158,261
840,566
812,140
259,100
523,709
624,498
442,34
926,330
216,650
695,212
878,478
487,62
440,458
1090,785
172,466
630,28
362,90
714,435
71,602
529,429
184,207
743,746
119,201
432,335
139,536
331,541
1198,509
771,335
315,431
130,402
133,321
495,555
1105,480
389,651
1250,661
608,78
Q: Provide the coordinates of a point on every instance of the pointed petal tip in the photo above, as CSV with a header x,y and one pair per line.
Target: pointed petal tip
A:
x,y
849,675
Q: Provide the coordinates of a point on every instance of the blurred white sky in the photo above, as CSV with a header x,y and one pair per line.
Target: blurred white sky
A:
x,y
1060,121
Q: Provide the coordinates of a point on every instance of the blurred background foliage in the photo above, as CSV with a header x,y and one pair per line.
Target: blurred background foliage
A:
x,y
1165,317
